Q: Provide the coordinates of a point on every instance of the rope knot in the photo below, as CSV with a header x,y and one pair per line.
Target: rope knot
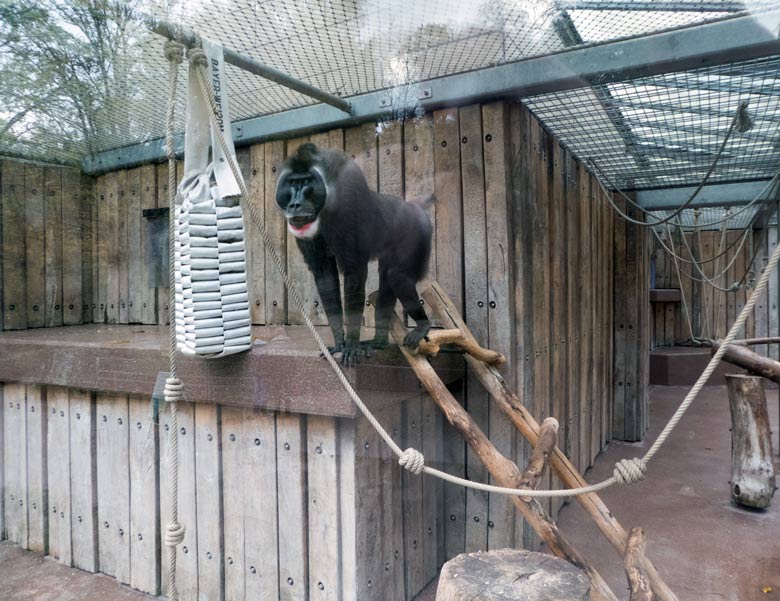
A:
x,y
174,534
174,390
174,51
197,57
630,471
412,460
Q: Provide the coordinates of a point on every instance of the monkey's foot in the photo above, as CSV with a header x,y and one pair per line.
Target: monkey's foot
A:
x,y
417,335
374,345
351,354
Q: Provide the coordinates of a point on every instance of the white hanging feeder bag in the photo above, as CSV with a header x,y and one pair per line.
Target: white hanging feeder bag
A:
x,y
212,307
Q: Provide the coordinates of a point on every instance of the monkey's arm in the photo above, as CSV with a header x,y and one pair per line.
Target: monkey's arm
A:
x,y
326,275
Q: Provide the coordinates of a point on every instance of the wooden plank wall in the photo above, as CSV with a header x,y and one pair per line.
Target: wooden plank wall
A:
x,y
713,312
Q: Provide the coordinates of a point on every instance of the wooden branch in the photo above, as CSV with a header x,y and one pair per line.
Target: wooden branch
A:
x,y
443,309
638,583
747,359
538,461
504,472
431,346
754,341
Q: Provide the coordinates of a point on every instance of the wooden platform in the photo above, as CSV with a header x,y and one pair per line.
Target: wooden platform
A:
x,y
283,371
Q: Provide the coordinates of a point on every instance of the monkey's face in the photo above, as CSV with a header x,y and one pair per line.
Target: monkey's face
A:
x,y
301,196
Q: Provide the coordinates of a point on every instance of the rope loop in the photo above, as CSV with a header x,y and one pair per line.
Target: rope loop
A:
x,y
197,56
174,534
412,460
630,471
174,390
174,51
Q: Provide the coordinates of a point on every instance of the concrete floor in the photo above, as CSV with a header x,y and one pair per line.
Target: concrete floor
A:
x,y
704,547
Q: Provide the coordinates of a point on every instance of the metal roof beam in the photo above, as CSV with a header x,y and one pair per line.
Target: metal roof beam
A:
x,y
713,195
654,5
728,40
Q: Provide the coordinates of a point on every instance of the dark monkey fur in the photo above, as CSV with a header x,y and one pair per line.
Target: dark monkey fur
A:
x,y
339,225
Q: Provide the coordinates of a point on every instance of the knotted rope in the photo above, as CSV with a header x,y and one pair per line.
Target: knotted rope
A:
x,y
174,390
412,460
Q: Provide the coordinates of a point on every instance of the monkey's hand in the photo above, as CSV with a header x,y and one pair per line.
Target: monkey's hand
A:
x,y
351,354
413,338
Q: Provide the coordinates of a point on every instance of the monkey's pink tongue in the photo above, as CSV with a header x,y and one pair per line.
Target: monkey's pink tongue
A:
x,y
303,228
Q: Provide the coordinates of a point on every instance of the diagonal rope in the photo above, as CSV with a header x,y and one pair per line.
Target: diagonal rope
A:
x,y
626,471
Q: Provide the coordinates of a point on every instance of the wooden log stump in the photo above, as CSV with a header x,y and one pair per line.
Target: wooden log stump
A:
x,y
511,575
752,467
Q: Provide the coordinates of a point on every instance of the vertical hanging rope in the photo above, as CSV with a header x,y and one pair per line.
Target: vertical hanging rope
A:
x,y
174,531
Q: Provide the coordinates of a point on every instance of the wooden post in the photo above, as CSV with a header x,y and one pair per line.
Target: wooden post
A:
x,y
752,465
510,404
638,582
504,472
506,575
743,357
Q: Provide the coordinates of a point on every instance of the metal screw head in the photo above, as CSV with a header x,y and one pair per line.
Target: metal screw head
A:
x,y
138,425
11,307
230,561
62,414
105,418
365,445
183,431
80,519
492,304
488,138
369,584
290,581
62,514
165,427
464,140
396,554
430,530
119,420
414,544
321,586
121,532
387,567
491,524
452,517
415,148
140,536
209,437
444,143
286,446
275,303
105,524
253,569
319,450
208,554
480,304
21,502
185,549
257,442
232,438
53,410
476,519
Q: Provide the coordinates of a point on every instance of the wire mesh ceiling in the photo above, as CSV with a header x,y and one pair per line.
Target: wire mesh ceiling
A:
x,y
650,132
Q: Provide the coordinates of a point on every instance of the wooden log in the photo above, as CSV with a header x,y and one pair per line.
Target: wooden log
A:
x,y
638,583
432,344
747,359
503,471
538,461
752,465
508,575
757,341
512,406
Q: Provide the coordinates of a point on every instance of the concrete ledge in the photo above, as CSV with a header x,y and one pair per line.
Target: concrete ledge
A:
x,y
283,371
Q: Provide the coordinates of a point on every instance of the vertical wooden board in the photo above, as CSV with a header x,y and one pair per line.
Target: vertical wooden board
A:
x,y
475,272
361,144
632,415
733,239
143,452
369,569
291,461
500,297
261,521
94,255
760,311
349,494
253,243
163,200
592,323
123,251
113,484
454,462
187,553
773,319
449,207
392,507
390,157
413,502
72,253
134,258
209,511
14,239
275,292
743,294
418,168
164,427
37,486
52,199
323,530
147,295
35,246
14,440
234,495
101,237
58,464
299,272
584,321
83,480
432,490
570,443
704,243
111,234
3,455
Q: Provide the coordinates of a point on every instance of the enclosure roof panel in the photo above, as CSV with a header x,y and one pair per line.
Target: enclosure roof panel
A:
x,y
649,132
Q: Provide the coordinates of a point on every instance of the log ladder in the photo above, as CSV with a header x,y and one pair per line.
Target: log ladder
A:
x,y
644,581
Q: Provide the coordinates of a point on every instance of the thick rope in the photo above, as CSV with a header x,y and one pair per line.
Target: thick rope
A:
x,y
626,471
174,390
